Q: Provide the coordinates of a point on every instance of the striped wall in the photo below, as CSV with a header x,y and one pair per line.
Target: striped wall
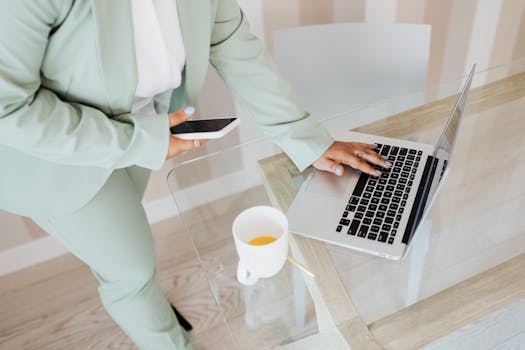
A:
x,y
489,32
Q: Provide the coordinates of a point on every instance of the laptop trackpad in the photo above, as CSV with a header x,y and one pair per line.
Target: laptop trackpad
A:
x,y
328,184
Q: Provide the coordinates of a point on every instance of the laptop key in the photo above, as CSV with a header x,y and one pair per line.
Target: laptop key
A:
x,y
359,187
375,200
394,150
411,157
398,217
372,207
386,227
374,228
384,150
372,182
394,175
378,221
406,168
354,200
419,153
393,206
377,194
380,187
412,176
396,224
367,221
412,151
367,195
389,220
405,196
344,222
393,233
369,189
372,236
382,236
396,199
369,214
391,240
404,174
392,182
358,215
390,188
391,213
352,230
401,210
387,194
382,181
339,228
385,201
361,208
380,214
403,203
364,201
363,230
383,207
398,193
352,208
345,214
403,151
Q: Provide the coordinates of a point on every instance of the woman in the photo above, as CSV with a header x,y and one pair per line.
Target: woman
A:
x,y
88,91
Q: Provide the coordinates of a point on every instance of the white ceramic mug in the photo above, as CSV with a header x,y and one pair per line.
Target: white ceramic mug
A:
x,y
256,261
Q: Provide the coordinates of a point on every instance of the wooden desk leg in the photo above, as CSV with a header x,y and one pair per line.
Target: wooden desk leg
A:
x,y
417,261
299,293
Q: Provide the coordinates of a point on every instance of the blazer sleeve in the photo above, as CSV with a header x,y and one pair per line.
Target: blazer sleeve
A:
x,y
34,120
243,63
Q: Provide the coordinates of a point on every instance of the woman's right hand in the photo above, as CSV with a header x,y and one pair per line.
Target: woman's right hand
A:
x,y
177,145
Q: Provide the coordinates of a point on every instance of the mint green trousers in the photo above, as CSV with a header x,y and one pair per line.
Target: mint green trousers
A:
x,y
112,236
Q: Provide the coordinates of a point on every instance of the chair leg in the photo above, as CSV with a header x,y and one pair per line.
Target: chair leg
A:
x,y
183,322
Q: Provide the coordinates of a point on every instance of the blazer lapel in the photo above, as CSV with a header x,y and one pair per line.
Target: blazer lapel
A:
x,y
195,22
117,53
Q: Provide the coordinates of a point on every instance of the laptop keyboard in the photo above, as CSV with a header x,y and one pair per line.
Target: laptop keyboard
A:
x,y
379,202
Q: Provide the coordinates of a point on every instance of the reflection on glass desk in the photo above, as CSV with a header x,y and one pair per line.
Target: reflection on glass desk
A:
x,y
467,263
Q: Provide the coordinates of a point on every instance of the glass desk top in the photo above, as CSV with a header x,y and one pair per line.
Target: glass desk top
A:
x,y
462,266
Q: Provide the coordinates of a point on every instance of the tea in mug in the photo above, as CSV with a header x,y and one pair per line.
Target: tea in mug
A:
x,y
262,240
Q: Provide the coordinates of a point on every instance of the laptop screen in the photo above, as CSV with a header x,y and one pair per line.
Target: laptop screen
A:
x,y
443,148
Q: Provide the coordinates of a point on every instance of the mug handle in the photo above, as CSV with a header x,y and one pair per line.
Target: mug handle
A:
x,y
244,276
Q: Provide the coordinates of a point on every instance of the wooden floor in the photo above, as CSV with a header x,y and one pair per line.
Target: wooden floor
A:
x,y
55,305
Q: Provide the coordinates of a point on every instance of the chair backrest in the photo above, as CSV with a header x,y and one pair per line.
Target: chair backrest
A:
x,y
335,68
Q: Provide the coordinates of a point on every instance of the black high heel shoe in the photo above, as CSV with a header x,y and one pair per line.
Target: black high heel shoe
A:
x,y
182,321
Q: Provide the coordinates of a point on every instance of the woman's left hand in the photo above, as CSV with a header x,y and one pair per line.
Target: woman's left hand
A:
x,y
355,154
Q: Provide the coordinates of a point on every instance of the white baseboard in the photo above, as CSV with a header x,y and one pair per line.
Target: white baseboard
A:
x,y
47,248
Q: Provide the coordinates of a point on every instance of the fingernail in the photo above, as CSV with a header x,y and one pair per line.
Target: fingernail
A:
x,y
375,144
388,163
339,171
378,171
189,110
385,157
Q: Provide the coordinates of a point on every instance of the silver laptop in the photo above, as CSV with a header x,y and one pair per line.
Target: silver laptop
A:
x,y
377,215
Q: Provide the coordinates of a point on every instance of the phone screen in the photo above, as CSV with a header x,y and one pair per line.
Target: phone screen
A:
x,y
208,125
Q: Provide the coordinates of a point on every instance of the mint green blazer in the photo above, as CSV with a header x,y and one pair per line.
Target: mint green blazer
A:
x,y
68,78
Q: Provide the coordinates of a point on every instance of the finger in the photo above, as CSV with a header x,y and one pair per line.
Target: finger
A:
x,y
181,115
359,164
376,158
178,146
329,165
365,145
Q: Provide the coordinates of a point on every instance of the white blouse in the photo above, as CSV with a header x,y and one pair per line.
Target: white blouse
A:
x,y
159,49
